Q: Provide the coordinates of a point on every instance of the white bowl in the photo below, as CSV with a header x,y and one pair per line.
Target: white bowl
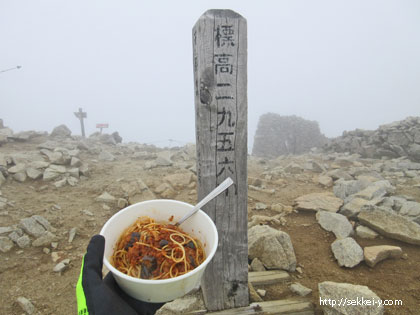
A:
x,y
199,226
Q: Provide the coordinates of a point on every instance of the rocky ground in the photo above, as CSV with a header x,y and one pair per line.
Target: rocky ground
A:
x,y
56,192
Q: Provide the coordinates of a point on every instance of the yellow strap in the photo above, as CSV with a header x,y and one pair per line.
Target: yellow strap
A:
x,y
80,294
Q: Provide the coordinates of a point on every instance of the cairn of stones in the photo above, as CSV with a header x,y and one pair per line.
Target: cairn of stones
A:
x,y
397,139
281,135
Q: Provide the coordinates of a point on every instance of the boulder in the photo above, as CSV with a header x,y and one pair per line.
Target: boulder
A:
x,y
5,244
411,210
391,225
44,240
347,252
257,265
53,171
318,202
375,254
18,168
325,180
179,180
32,227
365,232
353,207
184,305
335,222
376,190
345,188
106,197
61,131
300,289
26,305
20,177
272,247
33,173
293,168
106,156
331,294
117,137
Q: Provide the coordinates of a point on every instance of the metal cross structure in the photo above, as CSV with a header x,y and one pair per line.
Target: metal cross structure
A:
x,y
81,115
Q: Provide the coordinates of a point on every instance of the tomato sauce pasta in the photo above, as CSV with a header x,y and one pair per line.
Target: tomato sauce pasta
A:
x,y
151,250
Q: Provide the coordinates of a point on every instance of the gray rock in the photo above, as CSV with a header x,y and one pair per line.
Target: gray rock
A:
x,y
44,222
393,202
161,161
414,151
32,227
87,212
5,229
20,177
352,208
26,305
33,173
318,202
61,131
143,155
257,265
375,254
325,181
263,219
18,168
72,181
106,197
60,183
49,145
2,179
345,188
44,240
38,165
293,168
273,248
300,289
5,244
23,241
336,292
365,232
84,170
335,222
53,171
185,305
16,234
339,174
75,162
106,156
73,172
376,190
179,180
347,252
260,206
391,225
72,234
411,210
62,265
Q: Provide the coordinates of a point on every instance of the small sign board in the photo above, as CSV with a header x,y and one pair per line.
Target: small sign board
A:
x,y
102,126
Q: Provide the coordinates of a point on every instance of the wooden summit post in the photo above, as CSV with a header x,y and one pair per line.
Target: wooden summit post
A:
x,y
220,81
81,115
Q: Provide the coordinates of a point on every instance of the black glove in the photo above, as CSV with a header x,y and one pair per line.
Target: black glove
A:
x,y
99,297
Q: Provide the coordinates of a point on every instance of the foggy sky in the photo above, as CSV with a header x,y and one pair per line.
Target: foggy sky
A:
x,y
346,64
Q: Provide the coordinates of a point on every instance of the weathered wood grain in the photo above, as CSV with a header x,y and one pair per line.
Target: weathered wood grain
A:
x,y
220,82
268,277
287,306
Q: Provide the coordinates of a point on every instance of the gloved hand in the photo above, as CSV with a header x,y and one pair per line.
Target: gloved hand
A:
x,y
97,296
